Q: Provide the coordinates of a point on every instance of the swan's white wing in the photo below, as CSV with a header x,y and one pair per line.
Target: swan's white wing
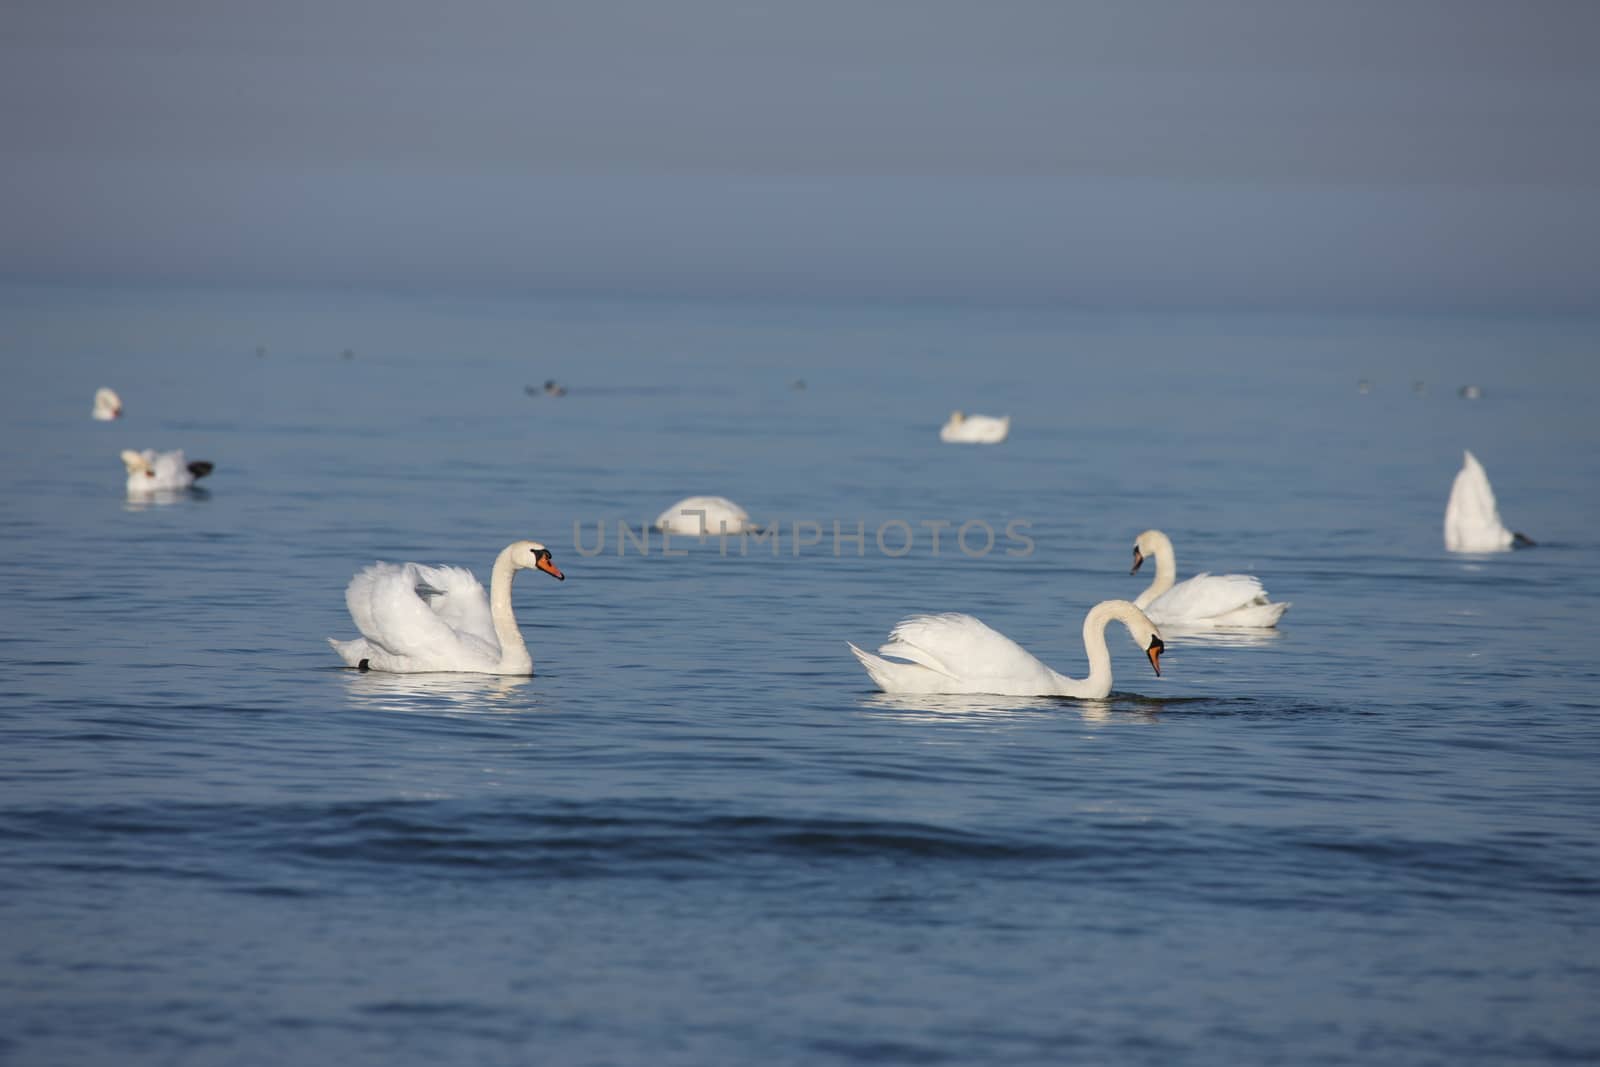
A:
x,y
1205,596
455,596
387,609
971,656
1471,518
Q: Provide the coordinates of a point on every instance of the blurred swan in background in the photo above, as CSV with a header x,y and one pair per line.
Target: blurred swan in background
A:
x,y
415,618
955,653
975,429
107,404
1471,518
1205,599
161,472
702,516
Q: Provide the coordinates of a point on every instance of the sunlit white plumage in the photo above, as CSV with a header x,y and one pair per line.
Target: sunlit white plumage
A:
x,y
705,515
975,429
161,472
1202,601
1471,518
415,618
955,653
107,405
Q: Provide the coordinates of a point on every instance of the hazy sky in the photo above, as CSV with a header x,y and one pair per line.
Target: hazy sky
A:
x,y
1395,154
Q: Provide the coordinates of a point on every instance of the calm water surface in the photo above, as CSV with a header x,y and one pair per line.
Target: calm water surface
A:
x,y
698,835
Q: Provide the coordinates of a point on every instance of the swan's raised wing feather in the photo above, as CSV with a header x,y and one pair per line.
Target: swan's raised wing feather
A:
x,y
455,595
387,609
1208,595
961,647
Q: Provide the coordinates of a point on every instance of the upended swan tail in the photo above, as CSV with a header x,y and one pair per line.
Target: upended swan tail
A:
x,y
352,652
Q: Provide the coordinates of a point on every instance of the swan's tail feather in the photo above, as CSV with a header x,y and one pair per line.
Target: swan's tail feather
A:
x,y
892,677
352,652
877,669
200,468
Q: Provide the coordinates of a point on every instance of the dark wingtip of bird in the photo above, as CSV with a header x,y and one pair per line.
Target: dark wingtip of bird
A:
x,y
200,468
364,666
1521,540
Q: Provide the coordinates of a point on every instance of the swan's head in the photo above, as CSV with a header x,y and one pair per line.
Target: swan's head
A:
x,y
531,554
1145,635
1153,650
138,463
956,418
1146,544
107,404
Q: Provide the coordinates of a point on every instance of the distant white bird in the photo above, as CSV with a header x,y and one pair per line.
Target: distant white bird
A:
x,y
1471,518
1204,600
958,654
107,404
161,472
415,618
697,516
975,429
1470,392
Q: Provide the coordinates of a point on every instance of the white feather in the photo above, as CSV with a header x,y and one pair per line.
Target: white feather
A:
x,y
1471,518
704,516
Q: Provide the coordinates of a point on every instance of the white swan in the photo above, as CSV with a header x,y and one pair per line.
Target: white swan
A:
x,y
704,516
107,404
161,472
415,618
1471,518
1201,601
958,654
975,429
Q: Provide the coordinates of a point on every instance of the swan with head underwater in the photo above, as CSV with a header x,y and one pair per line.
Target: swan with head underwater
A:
x,y
1202,601
955,653
416,618
151,472
705,516
1472,518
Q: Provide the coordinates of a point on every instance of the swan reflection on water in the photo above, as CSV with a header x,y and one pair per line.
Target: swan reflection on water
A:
x,y
160,498
451,694
1219,636
981,708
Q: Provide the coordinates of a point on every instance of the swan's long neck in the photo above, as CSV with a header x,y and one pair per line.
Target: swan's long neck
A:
x,y
1166,571
514,658
1103,614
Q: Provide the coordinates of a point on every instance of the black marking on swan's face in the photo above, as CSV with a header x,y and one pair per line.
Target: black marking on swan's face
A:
x,y
541,560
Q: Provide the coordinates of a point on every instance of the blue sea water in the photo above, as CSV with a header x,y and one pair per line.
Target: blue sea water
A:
x,y
698,835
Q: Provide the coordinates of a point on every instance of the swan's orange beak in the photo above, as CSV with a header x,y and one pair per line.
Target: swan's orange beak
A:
x,y
549,568
1138,558
1154,652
